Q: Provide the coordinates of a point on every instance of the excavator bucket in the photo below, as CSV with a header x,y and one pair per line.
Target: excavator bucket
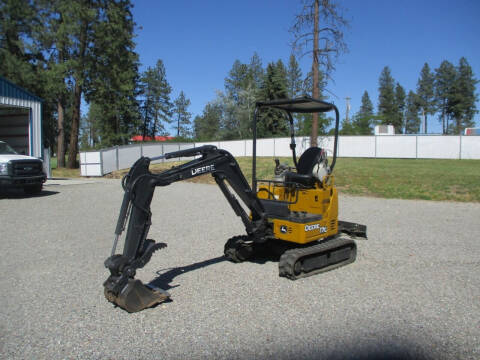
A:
x,y
135,296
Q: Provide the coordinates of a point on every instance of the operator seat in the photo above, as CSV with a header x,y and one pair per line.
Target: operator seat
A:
x,y
305,165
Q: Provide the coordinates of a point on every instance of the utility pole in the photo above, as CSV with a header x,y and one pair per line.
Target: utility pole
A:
x,y
348,108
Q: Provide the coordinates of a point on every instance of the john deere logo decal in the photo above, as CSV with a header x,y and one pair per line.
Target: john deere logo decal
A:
x,y
283,229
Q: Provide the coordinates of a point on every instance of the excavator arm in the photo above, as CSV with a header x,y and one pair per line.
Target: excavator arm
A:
x,y
139,185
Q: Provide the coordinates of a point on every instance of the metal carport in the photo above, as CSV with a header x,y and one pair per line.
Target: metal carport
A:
x,y
20,119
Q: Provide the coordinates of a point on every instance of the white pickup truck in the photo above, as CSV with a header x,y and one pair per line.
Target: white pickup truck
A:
x,y
20,170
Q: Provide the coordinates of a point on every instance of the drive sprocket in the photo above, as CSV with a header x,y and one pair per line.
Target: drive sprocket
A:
x,y
239,248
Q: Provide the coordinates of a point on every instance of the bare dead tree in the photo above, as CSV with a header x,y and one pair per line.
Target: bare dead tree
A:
x,y
318,31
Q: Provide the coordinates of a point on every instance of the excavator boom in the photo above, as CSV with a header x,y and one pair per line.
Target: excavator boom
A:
x,y
139,184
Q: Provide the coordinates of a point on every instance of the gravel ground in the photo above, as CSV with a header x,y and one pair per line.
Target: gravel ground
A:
x,y
414,291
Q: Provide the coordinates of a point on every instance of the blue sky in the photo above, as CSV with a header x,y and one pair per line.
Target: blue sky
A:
x,y
198,42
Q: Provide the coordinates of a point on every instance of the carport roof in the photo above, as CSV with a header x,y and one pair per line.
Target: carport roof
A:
x,y
9,89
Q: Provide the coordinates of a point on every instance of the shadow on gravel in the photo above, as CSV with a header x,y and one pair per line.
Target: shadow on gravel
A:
x,y
166,276
20,194
402,348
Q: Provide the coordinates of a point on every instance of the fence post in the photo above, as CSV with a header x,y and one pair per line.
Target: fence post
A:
x,y
101,162
116,157
338,146
460,152
416,146
375,146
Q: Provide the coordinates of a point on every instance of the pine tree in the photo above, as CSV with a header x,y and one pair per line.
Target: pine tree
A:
x,y
425,93
347,128
463,107
412,120
54,34
320,26
321,83
237,80
445,77
366,109
81,21
207,126
113,84
23,55
399,119
156,109
241,92
255,71
305,120
294,84
294,78
17,18
363,120
182,116
272,122
387,108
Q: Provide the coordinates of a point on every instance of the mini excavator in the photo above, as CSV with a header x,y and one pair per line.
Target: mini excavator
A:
x,y
293,218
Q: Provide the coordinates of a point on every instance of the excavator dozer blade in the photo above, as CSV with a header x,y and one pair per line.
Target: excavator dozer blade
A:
x,y
135,296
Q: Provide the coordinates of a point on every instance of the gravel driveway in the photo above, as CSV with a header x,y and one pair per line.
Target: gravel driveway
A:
x,y
414,291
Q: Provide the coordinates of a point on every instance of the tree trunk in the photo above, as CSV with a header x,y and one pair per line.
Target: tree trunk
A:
x,y
61,136
315,92
77,97
73,146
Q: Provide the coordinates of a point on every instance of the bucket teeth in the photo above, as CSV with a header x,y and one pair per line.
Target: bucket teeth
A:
x,y
135,296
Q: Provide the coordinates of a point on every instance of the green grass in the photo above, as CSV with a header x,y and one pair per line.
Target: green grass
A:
x,y
453,180
456,180
62,172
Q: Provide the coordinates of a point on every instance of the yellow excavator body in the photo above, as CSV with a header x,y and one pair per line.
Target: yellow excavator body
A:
x,y
313,212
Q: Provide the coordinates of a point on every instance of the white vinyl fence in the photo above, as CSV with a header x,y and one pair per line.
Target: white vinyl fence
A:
x,y
99,163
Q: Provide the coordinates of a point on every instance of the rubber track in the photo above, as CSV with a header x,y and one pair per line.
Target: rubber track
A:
x,y
287,261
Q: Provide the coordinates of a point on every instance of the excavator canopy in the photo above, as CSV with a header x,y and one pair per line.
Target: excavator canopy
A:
x,y
299,105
